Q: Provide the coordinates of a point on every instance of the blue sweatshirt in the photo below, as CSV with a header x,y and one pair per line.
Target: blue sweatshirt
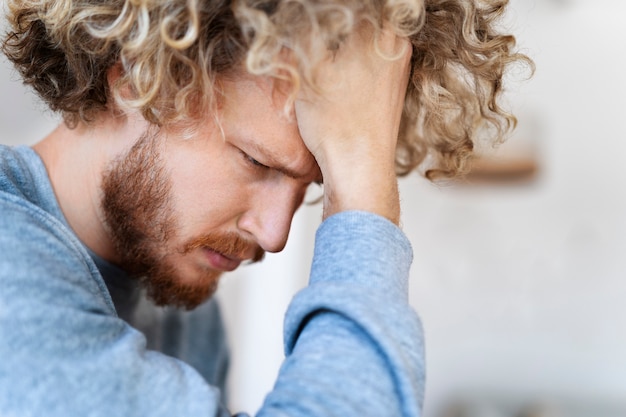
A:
x,y
78,338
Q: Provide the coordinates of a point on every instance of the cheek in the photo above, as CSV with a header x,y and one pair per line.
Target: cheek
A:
x,y
205,193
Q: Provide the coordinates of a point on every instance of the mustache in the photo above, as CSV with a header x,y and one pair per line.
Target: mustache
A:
x,y
228,244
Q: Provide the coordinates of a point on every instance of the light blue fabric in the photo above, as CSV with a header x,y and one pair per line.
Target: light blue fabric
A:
x,y
353,345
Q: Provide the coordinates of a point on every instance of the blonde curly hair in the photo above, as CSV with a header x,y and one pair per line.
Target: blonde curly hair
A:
x,y
173,52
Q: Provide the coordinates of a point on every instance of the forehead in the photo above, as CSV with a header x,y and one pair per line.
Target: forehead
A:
x,y
249,99
253,115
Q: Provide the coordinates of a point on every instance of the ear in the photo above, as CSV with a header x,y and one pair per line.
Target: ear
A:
x,y
118,89
117,83
114,74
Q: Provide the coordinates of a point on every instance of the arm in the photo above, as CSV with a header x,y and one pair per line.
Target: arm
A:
x,y
354,346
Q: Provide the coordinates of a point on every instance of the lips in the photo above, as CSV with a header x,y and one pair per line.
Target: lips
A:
x,y
220,261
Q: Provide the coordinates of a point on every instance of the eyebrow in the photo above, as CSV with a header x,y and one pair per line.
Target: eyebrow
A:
x,y
273,162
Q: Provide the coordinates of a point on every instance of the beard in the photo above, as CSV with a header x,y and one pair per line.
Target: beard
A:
x,y
138,212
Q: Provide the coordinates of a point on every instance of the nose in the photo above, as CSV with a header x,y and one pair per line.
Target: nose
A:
x,y
268,218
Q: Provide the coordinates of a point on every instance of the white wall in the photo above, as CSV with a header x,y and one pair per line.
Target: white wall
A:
x,y
520,288
23,120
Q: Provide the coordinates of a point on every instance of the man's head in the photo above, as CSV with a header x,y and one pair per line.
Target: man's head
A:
x,y
181,210
219,168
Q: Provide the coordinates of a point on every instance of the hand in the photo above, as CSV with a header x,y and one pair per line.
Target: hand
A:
x,y
351,127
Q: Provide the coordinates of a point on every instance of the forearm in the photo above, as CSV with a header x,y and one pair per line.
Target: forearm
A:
x,y
354,346
368,184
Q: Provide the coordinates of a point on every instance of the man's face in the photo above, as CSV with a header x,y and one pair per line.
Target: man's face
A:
x,y
181,211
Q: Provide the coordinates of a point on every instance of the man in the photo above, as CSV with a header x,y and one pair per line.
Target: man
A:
x,y
191,132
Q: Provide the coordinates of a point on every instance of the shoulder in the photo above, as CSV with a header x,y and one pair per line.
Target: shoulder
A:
x,y
36,244
9,166
14,173
41,258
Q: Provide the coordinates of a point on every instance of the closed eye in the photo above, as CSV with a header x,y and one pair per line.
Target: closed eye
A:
x,y
253,161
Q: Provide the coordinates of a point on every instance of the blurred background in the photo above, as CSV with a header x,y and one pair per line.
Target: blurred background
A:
x,y
519,273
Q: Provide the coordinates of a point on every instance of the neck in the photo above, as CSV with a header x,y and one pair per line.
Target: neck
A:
x,y
76,160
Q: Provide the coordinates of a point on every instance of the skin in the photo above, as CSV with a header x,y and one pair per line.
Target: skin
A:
x,y
247,176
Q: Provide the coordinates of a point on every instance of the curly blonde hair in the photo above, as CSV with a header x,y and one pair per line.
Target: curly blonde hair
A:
x,y
173,52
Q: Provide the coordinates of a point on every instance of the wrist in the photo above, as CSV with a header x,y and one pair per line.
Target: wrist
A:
x,y
369,186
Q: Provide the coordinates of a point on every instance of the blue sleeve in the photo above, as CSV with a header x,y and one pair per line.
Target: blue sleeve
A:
x,y
354,346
